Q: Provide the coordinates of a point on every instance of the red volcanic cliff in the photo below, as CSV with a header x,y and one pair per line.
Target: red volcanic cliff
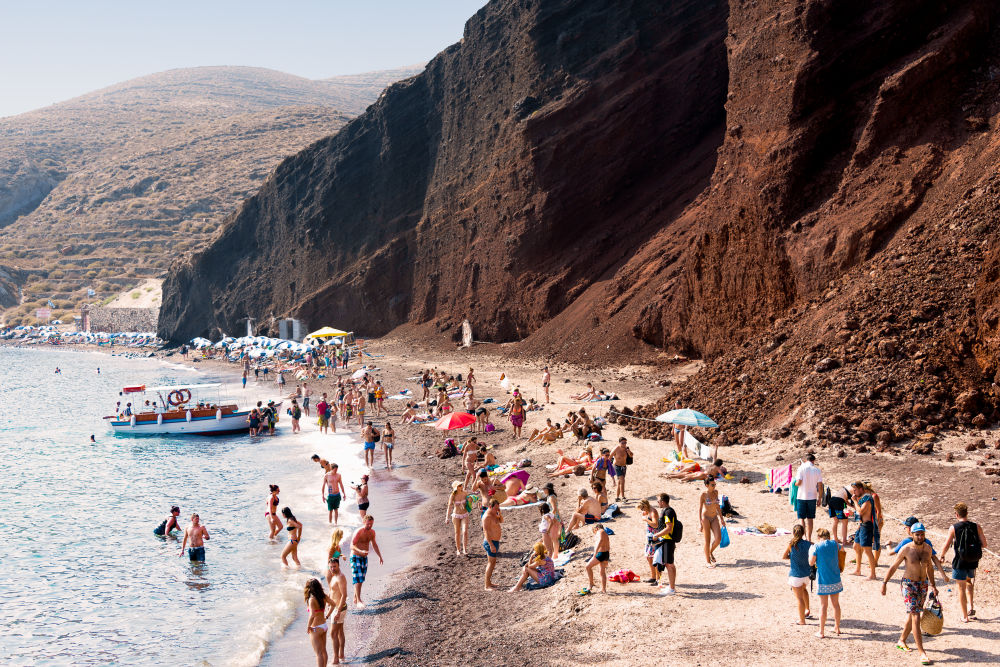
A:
x,y
777,186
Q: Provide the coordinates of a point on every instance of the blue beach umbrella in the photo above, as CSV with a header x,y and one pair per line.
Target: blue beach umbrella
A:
x,y
686,417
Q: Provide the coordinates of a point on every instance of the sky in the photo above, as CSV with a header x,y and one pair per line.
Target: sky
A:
x,y
53,50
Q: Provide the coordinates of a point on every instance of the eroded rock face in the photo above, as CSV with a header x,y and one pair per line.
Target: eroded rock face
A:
x,y
768,184
525,165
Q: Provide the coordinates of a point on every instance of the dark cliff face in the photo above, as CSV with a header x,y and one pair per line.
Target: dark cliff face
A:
x,y
523,167
602,179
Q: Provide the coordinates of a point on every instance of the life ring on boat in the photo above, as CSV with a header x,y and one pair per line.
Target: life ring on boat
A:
x,y
179,396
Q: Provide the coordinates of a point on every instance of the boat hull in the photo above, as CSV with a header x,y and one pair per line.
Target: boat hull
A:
x,y
235,422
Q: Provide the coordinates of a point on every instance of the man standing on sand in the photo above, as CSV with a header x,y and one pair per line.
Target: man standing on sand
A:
x,y
621,455
321,414
969,541
306,395
546,381
338,593
665,554
809,479
491,540
919,569
198,535
333,491
364,540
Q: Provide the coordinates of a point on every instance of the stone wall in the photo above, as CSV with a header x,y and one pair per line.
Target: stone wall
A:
x,y
115,320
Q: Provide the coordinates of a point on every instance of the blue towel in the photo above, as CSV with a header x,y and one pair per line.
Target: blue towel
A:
x,y
611,512
532,586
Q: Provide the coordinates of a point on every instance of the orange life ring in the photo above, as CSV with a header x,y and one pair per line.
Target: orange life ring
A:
x,y
179,396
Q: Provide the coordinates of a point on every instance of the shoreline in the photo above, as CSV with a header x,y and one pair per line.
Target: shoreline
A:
x,y
437,590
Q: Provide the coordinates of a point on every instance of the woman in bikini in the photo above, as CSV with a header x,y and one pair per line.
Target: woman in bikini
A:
x,y
459,504
388,441
710,517
294,529
565,465
652,519
335,552
600,494
271,513
362,491
316,601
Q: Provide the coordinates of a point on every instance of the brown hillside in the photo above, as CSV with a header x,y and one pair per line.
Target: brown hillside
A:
x,y
106,189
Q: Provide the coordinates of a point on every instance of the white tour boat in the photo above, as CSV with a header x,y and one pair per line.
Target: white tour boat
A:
x,y
178,409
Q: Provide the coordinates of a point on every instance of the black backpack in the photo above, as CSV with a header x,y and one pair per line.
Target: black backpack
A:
x,y
968,548
678,532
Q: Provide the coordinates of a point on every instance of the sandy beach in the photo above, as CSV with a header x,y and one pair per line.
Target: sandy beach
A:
x,y
740,612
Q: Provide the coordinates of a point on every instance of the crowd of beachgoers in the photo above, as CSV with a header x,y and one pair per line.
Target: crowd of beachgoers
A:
x,y
470,422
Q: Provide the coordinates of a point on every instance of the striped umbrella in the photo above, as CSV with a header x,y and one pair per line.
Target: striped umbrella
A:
x,y
686,417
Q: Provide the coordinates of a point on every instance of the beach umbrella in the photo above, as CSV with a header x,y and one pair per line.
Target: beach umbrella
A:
x,y
454,420
686,417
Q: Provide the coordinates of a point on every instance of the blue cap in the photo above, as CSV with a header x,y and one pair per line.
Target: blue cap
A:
x,y
917,528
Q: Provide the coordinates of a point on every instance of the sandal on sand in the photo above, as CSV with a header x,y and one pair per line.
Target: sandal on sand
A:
x,y
926,661
903,647
819,636
583,591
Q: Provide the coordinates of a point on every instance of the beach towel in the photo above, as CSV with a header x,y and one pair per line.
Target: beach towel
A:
x,y
752,530
612,511
522,475
564,557
793,494
724,542
780,477
517,507
532,585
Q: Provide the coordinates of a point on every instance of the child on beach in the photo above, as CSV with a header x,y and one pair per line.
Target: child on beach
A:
x,y
602,554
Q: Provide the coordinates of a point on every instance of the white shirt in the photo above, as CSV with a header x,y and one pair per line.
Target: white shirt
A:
x,y
809,476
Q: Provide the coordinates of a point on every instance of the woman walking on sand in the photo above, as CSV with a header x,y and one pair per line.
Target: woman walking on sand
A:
x,y
388,441
710,517
797,553
362,490
316,601
825,555
459,505
271,513
294,528
517,414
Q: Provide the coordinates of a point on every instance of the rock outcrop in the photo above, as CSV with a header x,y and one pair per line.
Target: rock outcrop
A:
x,y
803,193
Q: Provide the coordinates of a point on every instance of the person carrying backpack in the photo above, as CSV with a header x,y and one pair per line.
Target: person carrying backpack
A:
x,y
671,531
969,542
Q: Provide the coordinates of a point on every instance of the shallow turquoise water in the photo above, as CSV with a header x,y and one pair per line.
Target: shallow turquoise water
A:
x,y
84,580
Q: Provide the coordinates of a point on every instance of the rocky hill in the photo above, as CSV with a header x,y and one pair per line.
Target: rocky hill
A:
x,y
803,193
106,189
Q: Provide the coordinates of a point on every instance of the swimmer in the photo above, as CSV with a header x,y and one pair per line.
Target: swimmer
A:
x,y
294,528
271,512
198,535
169,524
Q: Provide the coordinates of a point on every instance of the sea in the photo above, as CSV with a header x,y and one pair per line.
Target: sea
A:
x,y
84,581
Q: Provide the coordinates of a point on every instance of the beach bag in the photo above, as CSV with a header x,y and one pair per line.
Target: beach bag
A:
x,y
629,459
793,494
724,541
842,559
568,541
624,576
932,618
376,437
968,549
489,428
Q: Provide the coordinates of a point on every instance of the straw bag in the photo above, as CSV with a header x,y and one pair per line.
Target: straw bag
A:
x,y
932,620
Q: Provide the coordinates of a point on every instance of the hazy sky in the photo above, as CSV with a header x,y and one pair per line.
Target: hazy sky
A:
x,y
52,50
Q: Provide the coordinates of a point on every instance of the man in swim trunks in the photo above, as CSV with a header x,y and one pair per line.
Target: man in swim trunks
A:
x,y
602,554
333,491
491,540
363,542
864,538
198,535
964,535
546,381
588,511
368,435
919,570
620,456
306,395
338,593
